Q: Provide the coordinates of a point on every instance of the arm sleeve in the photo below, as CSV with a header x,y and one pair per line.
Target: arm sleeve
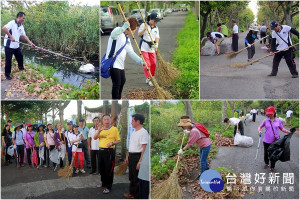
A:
x,y
246,41
295,32
144,138
90,133
118,31
273,44
194,136
141,27
134,56
157,35
9,25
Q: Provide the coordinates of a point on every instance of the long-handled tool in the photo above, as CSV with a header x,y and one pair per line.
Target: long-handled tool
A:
x,y
234,54
242,65
162,94
170,188
32,158
258,145
166,72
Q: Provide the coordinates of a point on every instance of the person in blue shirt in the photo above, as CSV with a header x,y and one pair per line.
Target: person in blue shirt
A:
x,y
82,128
249,41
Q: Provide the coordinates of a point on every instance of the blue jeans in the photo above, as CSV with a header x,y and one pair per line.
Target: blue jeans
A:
x,y
203,158
245,121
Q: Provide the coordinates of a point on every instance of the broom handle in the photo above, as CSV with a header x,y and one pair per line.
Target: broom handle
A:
x,y
274,53
180,148
138,5
135,41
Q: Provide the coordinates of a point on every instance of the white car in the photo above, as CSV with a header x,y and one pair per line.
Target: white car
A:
x,y
156,10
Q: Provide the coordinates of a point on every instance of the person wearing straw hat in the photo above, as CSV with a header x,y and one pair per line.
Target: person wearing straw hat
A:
x,y
216,38
108,139
196,136
30,144
13,31
249,41
147,48
235,36
272,126
281,34
118,38
137,146
40,143
18,141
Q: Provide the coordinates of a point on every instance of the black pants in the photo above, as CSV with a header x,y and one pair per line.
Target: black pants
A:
x,y
288,59
263,34
107,163
235,42
20,152
94,159
28,152
9,52
86,152
118,81
253,117
51,147
133,173
241,128
266,155
251,51
143,189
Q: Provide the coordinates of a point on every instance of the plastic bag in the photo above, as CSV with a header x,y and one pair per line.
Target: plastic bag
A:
x,y
62,151
243,141
10,150
54,156
41,153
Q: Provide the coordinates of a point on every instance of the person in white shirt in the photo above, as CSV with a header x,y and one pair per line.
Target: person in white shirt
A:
x,y
289,114
93,146
281,34
75,140
216,38
237,123
253,111
137,145
118,38
148,49
13,31
235,36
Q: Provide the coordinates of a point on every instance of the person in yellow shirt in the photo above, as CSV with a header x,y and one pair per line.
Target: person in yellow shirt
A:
x,y
108,137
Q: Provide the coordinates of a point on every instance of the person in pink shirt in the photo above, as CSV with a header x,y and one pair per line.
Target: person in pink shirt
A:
x,y
29,140
196,137
272,126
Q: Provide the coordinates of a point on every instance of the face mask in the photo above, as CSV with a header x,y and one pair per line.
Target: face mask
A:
x,y
186,131
253,36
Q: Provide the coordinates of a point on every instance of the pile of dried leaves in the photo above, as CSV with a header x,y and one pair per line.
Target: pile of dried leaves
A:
x,y
223,141
141,94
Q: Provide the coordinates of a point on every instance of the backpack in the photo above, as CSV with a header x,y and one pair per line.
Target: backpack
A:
x,y
202,128
107,64
16,134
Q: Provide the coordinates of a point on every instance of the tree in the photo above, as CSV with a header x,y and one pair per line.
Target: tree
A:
x,y
224,109
79,113
105,107
188,109
114,112
124,115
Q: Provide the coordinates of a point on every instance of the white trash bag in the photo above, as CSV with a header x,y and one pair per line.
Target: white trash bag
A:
x,y
10,150
41,153
54,156
62,151
243,141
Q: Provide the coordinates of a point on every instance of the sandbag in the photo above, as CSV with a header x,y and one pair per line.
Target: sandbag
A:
x,y
54,156
225,46
209,49
243,141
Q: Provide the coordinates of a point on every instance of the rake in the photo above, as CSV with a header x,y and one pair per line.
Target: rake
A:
x,y
242,65
166,72
162,94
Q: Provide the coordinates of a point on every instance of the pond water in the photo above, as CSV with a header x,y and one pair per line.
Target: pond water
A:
x,y
66,70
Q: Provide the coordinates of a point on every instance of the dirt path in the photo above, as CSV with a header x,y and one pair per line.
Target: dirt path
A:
x,y
220,81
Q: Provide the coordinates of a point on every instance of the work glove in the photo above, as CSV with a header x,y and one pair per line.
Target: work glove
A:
x,y
15,146
155,46
126,25
249,45
180,152
186,131
293,130
141,61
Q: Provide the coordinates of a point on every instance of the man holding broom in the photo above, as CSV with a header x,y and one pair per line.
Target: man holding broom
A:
x,y
196,136
148,49
137,145
281,34
235,36
13,31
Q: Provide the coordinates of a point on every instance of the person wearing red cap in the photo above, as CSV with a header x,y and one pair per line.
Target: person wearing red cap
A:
x,y
29,140
272,126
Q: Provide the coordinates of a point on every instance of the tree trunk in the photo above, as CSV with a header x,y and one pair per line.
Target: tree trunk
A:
x,y
224,109
114,112
204,21
105,107
287,13
124,113
79,113
188,109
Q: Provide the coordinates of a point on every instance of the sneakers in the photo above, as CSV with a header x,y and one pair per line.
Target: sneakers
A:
x,y
272,170
150,83
82,171
295,76
272,74
266,166
8,77
76,171
45,166
147,80
55,168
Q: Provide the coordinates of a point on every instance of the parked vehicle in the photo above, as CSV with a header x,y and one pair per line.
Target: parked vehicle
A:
x,y
136,13
156,10
163,12
110,18
168,10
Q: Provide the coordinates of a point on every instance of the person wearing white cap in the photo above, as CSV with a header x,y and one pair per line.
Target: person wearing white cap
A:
x,y
249,41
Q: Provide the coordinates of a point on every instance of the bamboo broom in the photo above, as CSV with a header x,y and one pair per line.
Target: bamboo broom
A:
x,y
162,94
242,65
170,188
233,54
166,72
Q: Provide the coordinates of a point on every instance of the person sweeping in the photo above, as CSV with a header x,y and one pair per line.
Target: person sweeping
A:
x,y
249,41
272,126
198,137
148,49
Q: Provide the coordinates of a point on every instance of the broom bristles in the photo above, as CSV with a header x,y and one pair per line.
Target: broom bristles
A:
x,y
168,189
231,55
241,65
161,93
121,169
166,72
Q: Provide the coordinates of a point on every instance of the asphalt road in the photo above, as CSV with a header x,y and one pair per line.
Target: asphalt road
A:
x,y
44,183
135,78
242,160
218,80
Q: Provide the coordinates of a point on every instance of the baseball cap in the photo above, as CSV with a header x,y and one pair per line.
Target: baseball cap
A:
x,y
29,124
81,120
75,125
273,24
69,122
154,17
270,110
9,120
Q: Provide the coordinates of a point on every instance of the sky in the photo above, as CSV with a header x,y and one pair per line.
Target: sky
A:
x,y
254,7
71,109
86,2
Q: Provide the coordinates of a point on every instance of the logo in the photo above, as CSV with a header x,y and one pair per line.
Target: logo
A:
x,y
211,181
